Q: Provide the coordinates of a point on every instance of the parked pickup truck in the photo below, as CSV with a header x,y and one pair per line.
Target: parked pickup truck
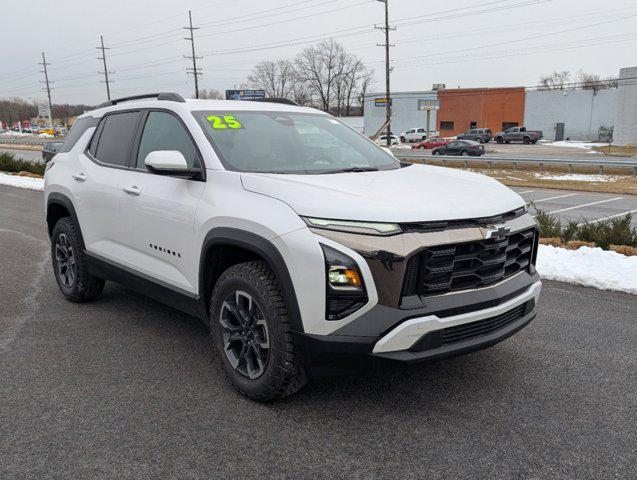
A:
x,y
519,134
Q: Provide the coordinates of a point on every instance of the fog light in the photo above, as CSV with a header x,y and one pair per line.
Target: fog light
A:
x,y
345,289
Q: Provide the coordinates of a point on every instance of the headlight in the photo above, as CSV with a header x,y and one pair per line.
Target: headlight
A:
x,y
367,228
344,287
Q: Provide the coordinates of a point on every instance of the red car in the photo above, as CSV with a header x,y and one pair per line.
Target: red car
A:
x,y
432,142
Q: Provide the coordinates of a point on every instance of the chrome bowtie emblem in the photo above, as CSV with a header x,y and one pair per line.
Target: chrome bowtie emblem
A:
x,y
496,232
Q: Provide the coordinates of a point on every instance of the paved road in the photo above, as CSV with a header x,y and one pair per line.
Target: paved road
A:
x,y
580,206
29,155
126,388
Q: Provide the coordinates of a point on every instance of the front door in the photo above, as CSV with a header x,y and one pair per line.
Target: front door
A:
x,y
161,209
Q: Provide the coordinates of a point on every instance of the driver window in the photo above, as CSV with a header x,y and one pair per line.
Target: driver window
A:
x,y
163,131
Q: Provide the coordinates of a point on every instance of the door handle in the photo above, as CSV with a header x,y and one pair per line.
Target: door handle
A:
x,y
134,190
80,177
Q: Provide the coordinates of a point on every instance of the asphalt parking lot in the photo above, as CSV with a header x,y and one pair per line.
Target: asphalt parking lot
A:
x,y
126,388
580,206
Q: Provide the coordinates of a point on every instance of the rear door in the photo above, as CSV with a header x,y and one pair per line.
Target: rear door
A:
x,y
160,238
103,170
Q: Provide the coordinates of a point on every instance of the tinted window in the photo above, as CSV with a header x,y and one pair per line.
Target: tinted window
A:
x,y
116,138
81,126
446,125
164,131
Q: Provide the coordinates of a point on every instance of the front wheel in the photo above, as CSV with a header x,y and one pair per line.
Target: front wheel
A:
x,y
465,153
526,140
252,333
402,139
70,265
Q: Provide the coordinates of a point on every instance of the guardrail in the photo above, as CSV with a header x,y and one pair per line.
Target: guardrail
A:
x,y
629,163
29,141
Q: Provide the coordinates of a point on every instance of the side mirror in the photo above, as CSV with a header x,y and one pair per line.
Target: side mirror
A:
x,y
171,163
164,161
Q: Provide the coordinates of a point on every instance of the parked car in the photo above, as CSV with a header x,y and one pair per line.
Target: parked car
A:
x,y
460,147
413,135
519,134
481,135
50,149
430,143
298,255
382,140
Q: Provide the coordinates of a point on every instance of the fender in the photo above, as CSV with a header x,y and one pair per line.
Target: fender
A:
x,y
266,250
56,198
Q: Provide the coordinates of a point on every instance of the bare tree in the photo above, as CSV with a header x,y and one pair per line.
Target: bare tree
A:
x,y
210,94
555,81
318,66
593,81
275,77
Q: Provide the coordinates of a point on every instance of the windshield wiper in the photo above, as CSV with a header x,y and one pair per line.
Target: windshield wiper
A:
x,y
354,169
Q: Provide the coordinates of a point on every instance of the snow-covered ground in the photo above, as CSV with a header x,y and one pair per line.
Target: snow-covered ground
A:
x,y
591,267
574,144
22,182
579,177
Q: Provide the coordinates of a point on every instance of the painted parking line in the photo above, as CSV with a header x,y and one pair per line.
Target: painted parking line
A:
x,y
586,205
623,214
555,198
526,191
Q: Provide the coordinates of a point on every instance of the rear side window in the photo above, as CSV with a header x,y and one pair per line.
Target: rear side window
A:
x,y
81,126
116,138
164,131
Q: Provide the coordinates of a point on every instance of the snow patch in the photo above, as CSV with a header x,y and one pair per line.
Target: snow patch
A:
x,y
591,267
22,182
579,177
573,144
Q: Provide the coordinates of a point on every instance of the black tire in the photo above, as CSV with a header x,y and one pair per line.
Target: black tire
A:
x,y
500,140
280,373
534,142
402,139
423,139
526,140
70,265
507,141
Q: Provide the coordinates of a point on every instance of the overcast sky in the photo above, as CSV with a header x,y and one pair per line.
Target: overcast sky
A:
x,y
466,43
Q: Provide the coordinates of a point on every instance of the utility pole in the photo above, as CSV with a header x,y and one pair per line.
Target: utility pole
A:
x,y
105,72
387,46
194,70
48,87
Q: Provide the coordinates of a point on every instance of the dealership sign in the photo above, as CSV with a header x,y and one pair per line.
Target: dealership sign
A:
x,y
428,104
245,94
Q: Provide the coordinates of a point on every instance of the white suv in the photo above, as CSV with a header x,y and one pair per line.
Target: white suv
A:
x,y
303,245
414,135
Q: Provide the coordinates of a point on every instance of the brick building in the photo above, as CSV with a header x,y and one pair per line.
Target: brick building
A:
x,y
462,109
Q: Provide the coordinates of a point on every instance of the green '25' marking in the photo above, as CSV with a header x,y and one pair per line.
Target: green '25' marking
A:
x,y
223,123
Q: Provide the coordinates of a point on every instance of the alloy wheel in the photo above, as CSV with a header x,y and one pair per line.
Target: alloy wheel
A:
x,y
65,258
246,340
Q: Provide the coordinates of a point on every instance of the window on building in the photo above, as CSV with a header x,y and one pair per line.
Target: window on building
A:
x,y
446,125
473,125
507,125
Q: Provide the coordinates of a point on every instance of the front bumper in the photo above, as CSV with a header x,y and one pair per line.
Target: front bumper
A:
x,y
444,333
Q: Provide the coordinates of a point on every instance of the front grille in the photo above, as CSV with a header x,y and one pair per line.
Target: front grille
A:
x,y
449,268
481,327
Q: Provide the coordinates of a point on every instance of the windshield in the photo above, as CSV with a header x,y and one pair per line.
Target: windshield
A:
x,y
281,142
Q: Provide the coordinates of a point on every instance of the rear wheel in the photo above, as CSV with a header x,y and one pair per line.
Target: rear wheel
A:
x,y
252,333
70,264
500,140
526,140
534,142
402,139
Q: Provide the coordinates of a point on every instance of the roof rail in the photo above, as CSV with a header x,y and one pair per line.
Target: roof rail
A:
x,y
168,96
285,101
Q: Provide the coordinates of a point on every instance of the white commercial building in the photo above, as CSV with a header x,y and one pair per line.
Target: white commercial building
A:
x,y
626,120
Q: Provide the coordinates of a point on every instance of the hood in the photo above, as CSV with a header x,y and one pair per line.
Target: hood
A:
x,y
418,193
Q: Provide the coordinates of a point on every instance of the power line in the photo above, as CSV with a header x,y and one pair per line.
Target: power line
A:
x,y
106,72
194,70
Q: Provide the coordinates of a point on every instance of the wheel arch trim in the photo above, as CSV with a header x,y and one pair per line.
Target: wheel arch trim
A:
x,y
265,249
56,198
